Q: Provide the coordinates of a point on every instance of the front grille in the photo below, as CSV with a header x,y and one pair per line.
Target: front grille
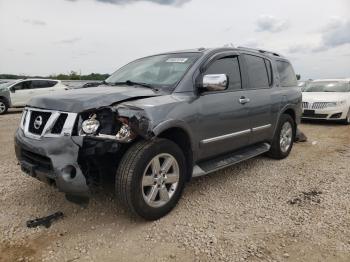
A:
x,y
58,126
305,105
319,105
37,160
37,122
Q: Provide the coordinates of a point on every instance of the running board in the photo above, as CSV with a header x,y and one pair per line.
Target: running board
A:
x,y
212,165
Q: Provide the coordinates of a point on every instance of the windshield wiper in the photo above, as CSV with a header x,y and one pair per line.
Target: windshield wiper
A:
x,y
133,83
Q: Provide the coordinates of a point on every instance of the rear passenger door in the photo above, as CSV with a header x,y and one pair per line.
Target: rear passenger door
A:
x,y
260,81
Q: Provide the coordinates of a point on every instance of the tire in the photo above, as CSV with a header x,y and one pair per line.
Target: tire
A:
x,y
278,150
347,119
4,106
135,174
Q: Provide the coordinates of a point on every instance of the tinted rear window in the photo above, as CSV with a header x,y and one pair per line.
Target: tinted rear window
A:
x,y
257,72
286,73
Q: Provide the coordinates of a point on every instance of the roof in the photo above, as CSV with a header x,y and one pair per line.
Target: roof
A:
x,y
239,48
47,79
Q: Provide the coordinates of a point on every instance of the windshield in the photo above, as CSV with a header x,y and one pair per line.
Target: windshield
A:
x,y
327,86
159,71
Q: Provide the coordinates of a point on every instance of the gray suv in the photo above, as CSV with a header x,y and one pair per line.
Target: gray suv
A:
x,y
159,121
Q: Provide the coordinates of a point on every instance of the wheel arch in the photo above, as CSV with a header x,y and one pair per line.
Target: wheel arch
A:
x,y
6,99
288,110
180,136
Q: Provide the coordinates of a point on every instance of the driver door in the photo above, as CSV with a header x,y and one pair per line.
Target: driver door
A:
x,y
223,122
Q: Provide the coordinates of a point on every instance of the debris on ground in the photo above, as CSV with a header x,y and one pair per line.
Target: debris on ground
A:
x,y
44,221
300,136
311,196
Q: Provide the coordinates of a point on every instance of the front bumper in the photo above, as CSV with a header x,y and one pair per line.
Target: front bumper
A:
x,y
47,159
336,113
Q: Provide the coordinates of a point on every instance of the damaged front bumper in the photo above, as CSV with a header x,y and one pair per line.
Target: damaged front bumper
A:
x,y
64,161
53,160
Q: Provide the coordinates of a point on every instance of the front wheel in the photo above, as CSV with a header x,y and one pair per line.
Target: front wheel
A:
x,y
284,138
151,177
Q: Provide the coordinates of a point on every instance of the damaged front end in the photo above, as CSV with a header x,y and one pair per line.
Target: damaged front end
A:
x,y
77,152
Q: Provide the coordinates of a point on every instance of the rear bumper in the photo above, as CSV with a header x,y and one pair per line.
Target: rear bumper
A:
x,y
52,160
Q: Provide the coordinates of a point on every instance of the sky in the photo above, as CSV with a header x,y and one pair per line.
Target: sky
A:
x,y
44,37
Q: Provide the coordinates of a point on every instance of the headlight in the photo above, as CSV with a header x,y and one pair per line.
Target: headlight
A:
x,y
333,104
341,102
23,119
90,125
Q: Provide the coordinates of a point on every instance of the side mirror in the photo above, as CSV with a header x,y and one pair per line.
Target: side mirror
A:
x,y
12,89
217,82
298,77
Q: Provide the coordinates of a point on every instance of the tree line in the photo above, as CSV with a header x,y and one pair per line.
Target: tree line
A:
x,y
71,76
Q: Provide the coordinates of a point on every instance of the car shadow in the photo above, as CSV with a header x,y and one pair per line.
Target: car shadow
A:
x,y
14,111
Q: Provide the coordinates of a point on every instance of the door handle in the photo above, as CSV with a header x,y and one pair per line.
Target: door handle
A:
x,y
243,100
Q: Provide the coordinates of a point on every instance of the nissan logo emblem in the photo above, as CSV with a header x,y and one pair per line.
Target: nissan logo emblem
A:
x,y
38,122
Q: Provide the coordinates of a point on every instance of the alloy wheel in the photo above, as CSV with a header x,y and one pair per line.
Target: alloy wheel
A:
x,y
2,107
286,137
160,180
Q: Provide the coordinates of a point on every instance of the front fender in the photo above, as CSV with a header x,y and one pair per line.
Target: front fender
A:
x,y
173,123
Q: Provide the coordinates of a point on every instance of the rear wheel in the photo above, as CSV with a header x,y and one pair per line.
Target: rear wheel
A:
x,y
347,119
3,106
284,138
150,178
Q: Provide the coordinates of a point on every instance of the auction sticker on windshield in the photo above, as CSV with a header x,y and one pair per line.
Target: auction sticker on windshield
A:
x,y
176,60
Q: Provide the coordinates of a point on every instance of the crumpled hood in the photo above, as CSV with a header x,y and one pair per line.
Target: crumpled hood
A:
x,y
325,96
78,100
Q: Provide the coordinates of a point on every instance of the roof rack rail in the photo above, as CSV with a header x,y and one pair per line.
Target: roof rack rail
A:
x,y
260,51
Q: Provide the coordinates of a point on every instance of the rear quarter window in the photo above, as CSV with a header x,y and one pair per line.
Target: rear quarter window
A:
x,y
286,74
50,83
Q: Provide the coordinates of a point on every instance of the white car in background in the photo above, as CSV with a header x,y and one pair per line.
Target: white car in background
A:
x,y
23,90
327,99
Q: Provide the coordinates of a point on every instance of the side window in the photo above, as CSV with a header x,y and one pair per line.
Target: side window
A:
x,y
286,73
23,85
257,72
50,83
269,71
230,67
18,86
40,84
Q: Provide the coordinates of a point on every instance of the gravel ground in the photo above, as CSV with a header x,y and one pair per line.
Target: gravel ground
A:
x,y
297,209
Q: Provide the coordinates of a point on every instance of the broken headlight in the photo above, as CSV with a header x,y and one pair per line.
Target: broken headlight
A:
x,y
125,134
91,125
